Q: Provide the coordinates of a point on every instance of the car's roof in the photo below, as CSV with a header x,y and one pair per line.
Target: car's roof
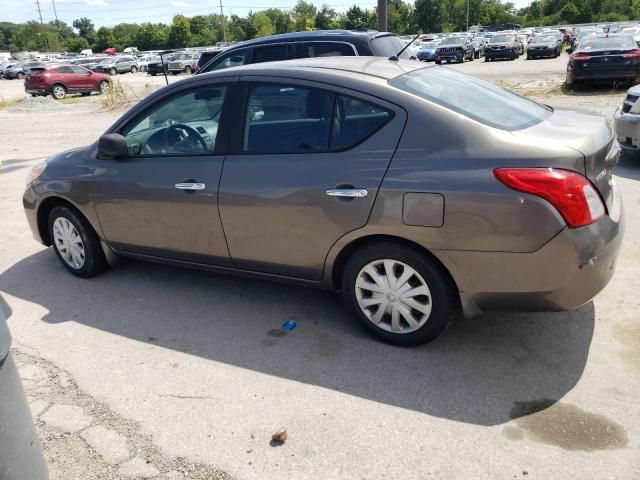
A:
x,y
379,67
300,36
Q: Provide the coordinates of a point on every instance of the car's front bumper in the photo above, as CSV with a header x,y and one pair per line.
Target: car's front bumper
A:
x,y
567,272
541,52
35,91
627,127
503,53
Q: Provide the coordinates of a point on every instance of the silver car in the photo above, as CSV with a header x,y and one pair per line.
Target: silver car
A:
x,y
626,120
320,172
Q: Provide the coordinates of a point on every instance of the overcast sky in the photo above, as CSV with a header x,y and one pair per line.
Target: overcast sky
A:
x,y
110,12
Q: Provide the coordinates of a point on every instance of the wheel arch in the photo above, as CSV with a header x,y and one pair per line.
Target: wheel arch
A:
x,y
339,262
44,209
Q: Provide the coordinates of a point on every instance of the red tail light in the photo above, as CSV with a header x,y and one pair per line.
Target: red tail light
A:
x,y
197,68
580,56
570,193
632,54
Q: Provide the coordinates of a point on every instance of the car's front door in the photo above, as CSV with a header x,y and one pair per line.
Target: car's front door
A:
x,y
303,171
83,78
162,199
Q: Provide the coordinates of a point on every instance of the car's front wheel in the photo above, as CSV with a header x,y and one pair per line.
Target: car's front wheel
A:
x,y
76,244
112,71
58,91
134,69
401,295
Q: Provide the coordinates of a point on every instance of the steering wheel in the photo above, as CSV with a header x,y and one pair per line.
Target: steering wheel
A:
x,y
186,138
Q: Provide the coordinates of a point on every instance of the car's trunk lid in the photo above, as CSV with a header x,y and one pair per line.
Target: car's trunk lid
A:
x,y
589,134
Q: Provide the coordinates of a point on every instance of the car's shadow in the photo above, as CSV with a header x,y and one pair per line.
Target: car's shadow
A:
x,y
474,373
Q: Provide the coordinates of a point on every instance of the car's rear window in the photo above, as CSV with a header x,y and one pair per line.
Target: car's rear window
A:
x,y
388,46
482,101
599,43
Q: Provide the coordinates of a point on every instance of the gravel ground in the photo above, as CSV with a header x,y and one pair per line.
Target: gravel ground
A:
x,y
153,371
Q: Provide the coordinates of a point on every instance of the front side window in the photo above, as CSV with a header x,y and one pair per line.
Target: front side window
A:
x,y
80,70
232,59
64,69
324,49
270,53
186,124
482,101
292,119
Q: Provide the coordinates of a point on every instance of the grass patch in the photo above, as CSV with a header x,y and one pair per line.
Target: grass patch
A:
x,y
4,103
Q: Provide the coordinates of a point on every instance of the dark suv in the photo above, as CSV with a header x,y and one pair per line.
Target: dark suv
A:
x,y
319,43
457,49
503,45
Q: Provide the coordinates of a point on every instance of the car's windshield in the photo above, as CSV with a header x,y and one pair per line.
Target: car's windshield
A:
x,y
482,101
453,41
501,38
388,46
544,39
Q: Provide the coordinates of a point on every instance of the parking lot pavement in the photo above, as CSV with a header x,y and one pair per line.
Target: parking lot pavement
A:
x,y
187,371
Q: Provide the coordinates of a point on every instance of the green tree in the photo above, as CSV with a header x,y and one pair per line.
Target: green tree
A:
x,y
303,15
356,18
280,20
429,15
85,29
198,25
104,39
76,44
325,18
180,33
262,24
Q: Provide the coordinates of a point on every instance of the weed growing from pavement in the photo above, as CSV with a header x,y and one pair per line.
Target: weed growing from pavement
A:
x,y
117,95
9,103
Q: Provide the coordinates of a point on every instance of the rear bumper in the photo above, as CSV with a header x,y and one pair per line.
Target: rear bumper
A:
x,y
627,127
604,74
563,275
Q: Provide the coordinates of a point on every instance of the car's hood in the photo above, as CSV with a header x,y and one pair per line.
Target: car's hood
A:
x,y
427,50
71,156
449,45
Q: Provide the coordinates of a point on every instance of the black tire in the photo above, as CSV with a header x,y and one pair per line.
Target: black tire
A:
x,y
20,75
439,62
58,91
476,55
85,94
443,292
103,87
134,69
187,70
113,71
94,259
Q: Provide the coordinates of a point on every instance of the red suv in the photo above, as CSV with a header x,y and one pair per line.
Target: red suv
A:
x,y
58,80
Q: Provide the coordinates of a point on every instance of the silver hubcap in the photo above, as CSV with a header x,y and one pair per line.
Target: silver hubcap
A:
x,y
393,296
104,87
58,91
68,242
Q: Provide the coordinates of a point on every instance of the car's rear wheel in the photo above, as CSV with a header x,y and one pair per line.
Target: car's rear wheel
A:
x,y
187,70
439,62
400,294
134,69
58,91
20,75
75,242
103,87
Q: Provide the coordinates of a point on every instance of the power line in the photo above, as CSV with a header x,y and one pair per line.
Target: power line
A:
x,y
39,11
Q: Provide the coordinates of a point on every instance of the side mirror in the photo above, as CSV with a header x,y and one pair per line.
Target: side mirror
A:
x,y
112,145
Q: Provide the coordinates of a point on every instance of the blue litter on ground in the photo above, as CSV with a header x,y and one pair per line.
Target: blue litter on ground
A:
x,y
290,325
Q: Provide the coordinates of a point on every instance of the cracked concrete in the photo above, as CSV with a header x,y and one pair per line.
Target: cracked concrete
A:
x,y
84,439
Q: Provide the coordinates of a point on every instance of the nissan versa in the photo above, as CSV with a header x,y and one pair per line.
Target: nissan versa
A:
x,y
321,172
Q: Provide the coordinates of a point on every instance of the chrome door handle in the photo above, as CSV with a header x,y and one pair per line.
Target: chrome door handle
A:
x,y
190,186
347,192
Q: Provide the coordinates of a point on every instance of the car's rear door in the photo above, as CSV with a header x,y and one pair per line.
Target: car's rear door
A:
x,y
162,199
303,170
64,75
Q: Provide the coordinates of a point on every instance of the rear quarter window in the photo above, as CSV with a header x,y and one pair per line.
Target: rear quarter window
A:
x,y
474,98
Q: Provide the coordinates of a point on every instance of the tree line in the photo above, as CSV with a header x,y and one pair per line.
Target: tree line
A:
x,y
403,18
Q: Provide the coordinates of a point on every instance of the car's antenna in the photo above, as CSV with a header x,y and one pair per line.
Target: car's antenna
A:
x,y
394,58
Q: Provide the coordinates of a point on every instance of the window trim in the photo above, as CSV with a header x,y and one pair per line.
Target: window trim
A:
x,y
287,46
228,54
236,143
220,147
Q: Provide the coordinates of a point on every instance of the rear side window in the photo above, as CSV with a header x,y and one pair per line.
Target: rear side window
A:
x,y
324,49
482,101
64,70
387,46
271,53
287,119
354,121
291,119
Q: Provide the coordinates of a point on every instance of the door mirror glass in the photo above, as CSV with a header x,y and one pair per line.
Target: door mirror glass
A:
x,y
112,145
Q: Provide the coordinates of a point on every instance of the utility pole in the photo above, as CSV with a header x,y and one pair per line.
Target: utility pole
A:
x,y
224,31
55,11
468,1
39,12
382,15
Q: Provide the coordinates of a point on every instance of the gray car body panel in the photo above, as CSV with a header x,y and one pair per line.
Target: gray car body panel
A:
x,y
503,249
